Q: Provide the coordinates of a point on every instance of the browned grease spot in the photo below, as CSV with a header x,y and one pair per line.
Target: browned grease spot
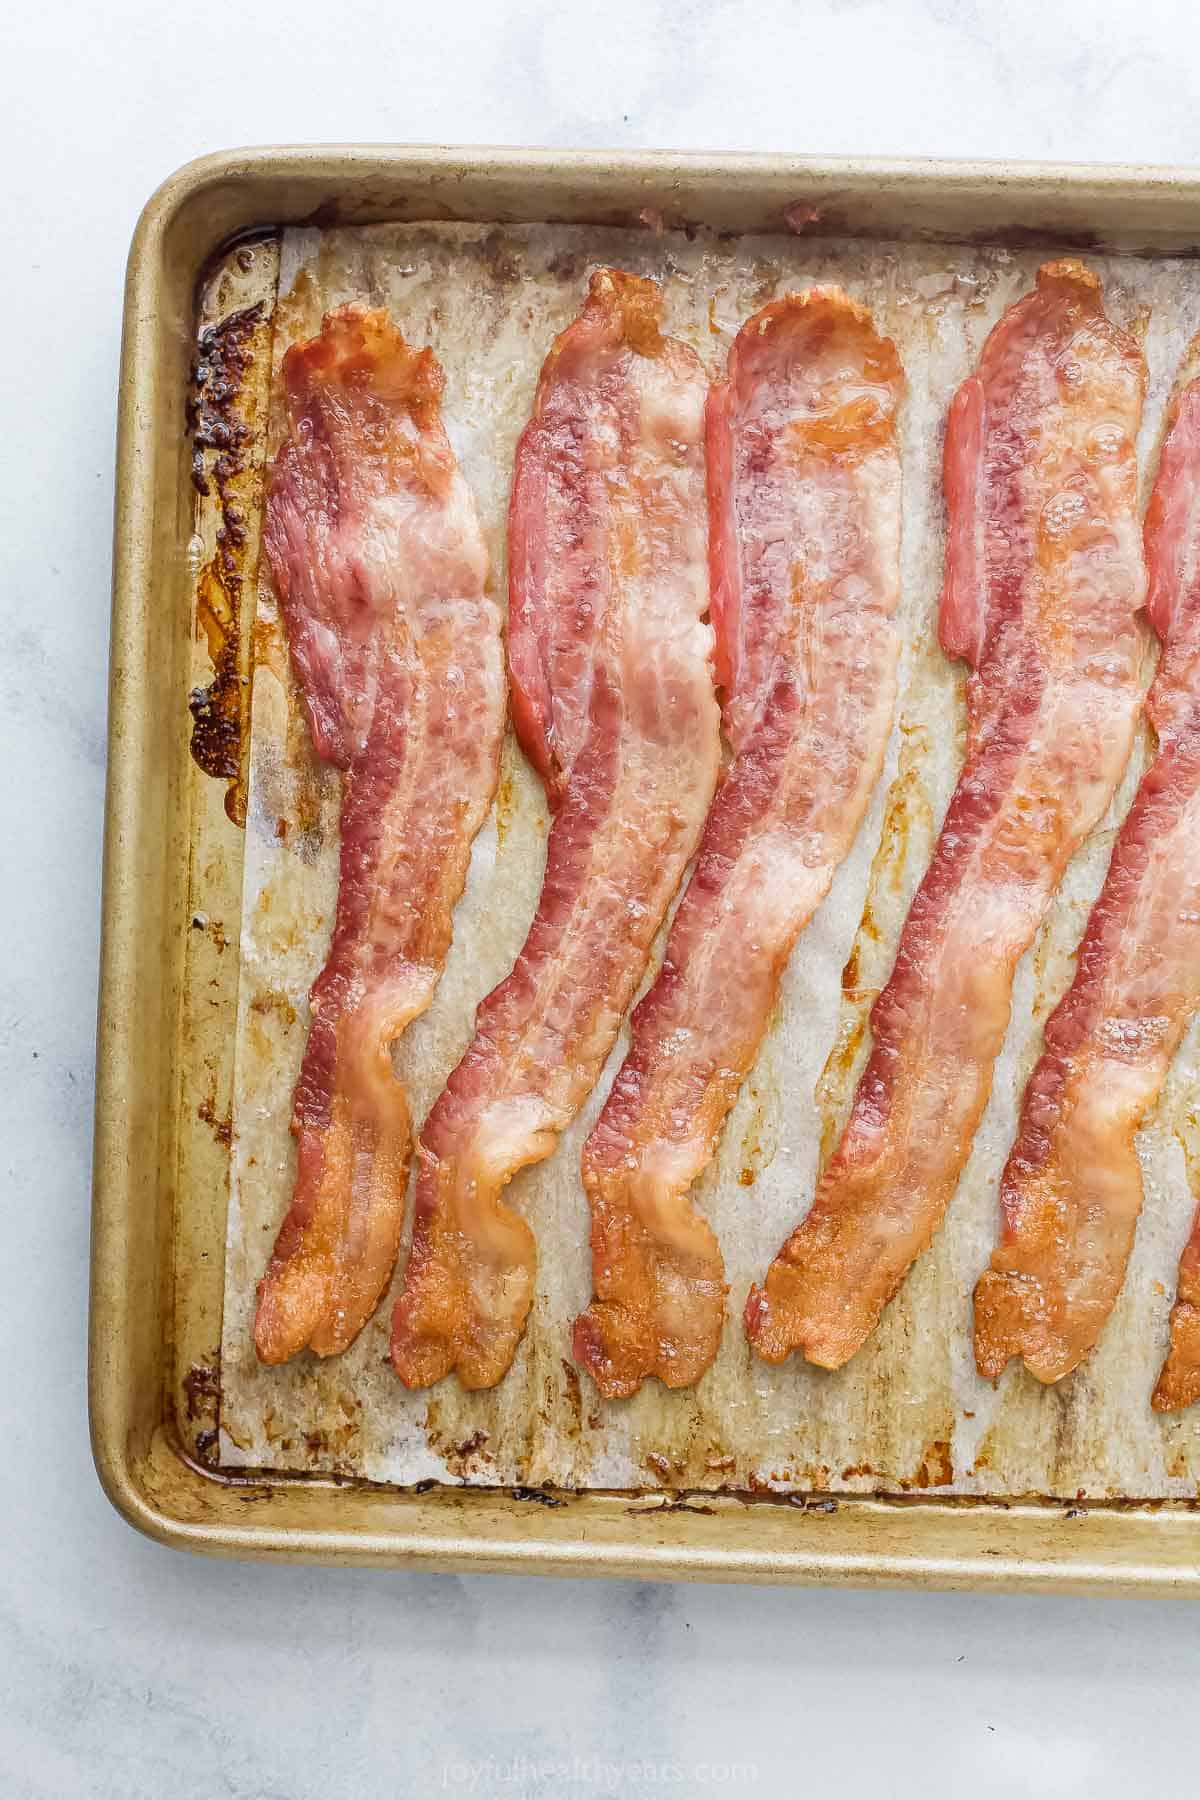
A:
x,y
461,1455
1178,1468
505,801
202,1388
217,709
270,1000
202,1393
273,1426
760,1139
214,928
907,816
336,1444
306,825
221,433
831,1094
936,1468
222,1128
574,1396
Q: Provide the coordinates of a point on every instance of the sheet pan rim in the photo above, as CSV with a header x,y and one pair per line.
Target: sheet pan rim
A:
x,y
123,1449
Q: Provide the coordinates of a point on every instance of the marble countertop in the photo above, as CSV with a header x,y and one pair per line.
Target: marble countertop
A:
x,y
127,1670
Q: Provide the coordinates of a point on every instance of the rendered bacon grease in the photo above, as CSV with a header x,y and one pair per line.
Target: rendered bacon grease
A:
x,y
1044,577
1072,1190
804,542
613,699
381,573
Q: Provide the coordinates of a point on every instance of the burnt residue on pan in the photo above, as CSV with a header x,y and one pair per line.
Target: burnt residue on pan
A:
x,y
223,417
202,1402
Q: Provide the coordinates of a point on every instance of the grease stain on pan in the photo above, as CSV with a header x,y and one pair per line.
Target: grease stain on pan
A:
x,y
760,1131
907,830
508,795
225,412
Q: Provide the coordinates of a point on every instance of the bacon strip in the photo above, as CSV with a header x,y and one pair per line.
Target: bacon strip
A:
x,y
1044,577
613,698
1179,1382
1072,1190
1173,540
381,571
804,523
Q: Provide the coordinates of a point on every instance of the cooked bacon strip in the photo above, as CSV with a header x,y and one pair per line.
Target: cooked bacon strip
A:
x,y
1072,1190
804,542
1173,533
1179,1382
381,571
1173,538
1043,578
614,701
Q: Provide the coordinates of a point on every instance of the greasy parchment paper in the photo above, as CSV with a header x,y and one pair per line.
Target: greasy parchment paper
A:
x,y
908,1412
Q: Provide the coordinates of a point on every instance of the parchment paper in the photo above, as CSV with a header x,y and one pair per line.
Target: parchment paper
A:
x,y
908,1412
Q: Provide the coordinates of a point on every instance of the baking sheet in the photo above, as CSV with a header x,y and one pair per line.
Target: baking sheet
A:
x,y
908,1413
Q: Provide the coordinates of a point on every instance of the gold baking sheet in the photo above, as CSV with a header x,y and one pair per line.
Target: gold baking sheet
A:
x,y
170,974
908,1414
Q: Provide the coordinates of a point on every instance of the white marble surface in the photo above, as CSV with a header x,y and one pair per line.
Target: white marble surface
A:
x,y
126,1670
